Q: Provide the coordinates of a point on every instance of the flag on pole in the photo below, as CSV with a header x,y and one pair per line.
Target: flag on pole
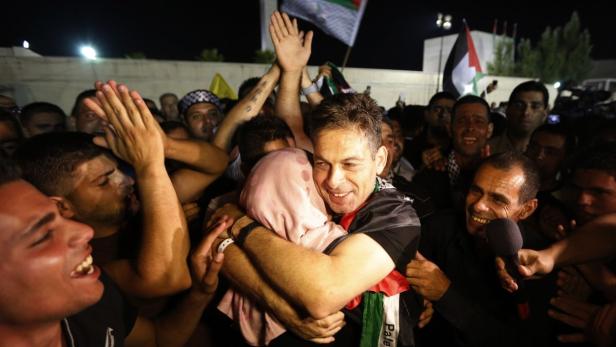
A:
x,y
221,88
462,70
337,18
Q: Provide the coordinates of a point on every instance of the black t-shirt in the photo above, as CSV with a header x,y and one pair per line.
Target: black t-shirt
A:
x,y
106,323
389,219
475,310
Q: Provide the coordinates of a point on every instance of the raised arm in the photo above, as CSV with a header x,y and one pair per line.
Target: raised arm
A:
x,y
246,109
310,89
133,135
206,163
174,327
292,51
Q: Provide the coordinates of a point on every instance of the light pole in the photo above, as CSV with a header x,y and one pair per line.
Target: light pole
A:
x,y
444,22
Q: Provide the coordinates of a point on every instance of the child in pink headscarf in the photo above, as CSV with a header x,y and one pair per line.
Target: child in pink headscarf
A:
x,y
280,194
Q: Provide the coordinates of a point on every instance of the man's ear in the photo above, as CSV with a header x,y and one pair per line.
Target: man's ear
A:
x,y
490,130
529,207
380,159
64,206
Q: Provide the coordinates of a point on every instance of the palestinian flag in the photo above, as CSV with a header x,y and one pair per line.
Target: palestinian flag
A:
x,y
337,18
462,70
335,85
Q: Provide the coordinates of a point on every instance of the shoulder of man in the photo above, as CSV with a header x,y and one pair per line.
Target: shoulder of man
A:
x,y
106,323
389,218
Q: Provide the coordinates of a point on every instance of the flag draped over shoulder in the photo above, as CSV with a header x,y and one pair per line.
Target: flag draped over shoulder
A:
x,y
221,88
337,18
462,70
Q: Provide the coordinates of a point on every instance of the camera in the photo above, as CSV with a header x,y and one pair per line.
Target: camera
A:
x,y
578,102
553,119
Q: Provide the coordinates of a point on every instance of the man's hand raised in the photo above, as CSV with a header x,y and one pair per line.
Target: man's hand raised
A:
x,y
131,131
292,46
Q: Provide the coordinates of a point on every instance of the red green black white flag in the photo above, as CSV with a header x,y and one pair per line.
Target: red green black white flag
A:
x,y
337,18
462,70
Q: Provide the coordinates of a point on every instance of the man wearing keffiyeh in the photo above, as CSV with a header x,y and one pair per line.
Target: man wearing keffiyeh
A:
x,y
471,128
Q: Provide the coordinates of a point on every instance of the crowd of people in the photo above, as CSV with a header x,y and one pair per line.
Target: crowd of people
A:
x,y
272,221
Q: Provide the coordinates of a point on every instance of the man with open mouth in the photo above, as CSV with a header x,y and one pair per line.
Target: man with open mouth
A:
x,y
458,274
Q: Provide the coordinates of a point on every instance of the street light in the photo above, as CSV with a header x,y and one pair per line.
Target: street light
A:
x,y
88,52
25,44
444,22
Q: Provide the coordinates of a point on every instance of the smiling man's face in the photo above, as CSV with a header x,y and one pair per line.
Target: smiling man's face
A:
x,y
471,129
495,193
345,168
45,259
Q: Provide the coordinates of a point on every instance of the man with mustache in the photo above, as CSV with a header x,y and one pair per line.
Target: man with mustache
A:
x,y
457,273
471,128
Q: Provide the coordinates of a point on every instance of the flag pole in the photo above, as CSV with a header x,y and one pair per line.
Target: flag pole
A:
x,y
346,57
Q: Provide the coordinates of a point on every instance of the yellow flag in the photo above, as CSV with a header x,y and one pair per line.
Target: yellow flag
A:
x,y
221,88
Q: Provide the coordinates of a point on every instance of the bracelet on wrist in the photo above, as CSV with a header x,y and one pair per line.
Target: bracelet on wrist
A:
x,y
244,232
224,244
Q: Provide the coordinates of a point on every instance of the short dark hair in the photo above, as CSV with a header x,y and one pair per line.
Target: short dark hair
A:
x,y
511,159
247,86
254,134
89,93
600,156
348,111
530,86
170,125
48,160
561,130
441,95
32,109
8,117
470,99
9,171
160,98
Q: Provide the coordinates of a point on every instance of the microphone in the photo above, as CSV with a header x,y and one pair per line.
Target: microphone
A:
x,y
505,240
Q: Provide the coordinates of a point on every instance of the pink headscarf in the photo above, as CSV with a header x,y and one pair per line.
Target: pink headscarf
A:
x,y
280,194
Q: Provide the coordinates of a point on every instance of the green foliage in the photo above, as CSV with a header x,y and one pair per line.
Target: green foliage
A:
x,y
264,56
551,55
211,54
528,64
562,54
503,64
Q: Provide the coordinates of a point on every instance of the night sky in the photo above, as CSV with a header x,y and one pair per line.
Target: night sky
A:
x,y
391,35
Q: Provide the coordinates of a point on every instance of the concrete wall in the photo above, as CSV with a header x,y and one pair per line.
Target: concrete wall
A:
x,y
59,80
